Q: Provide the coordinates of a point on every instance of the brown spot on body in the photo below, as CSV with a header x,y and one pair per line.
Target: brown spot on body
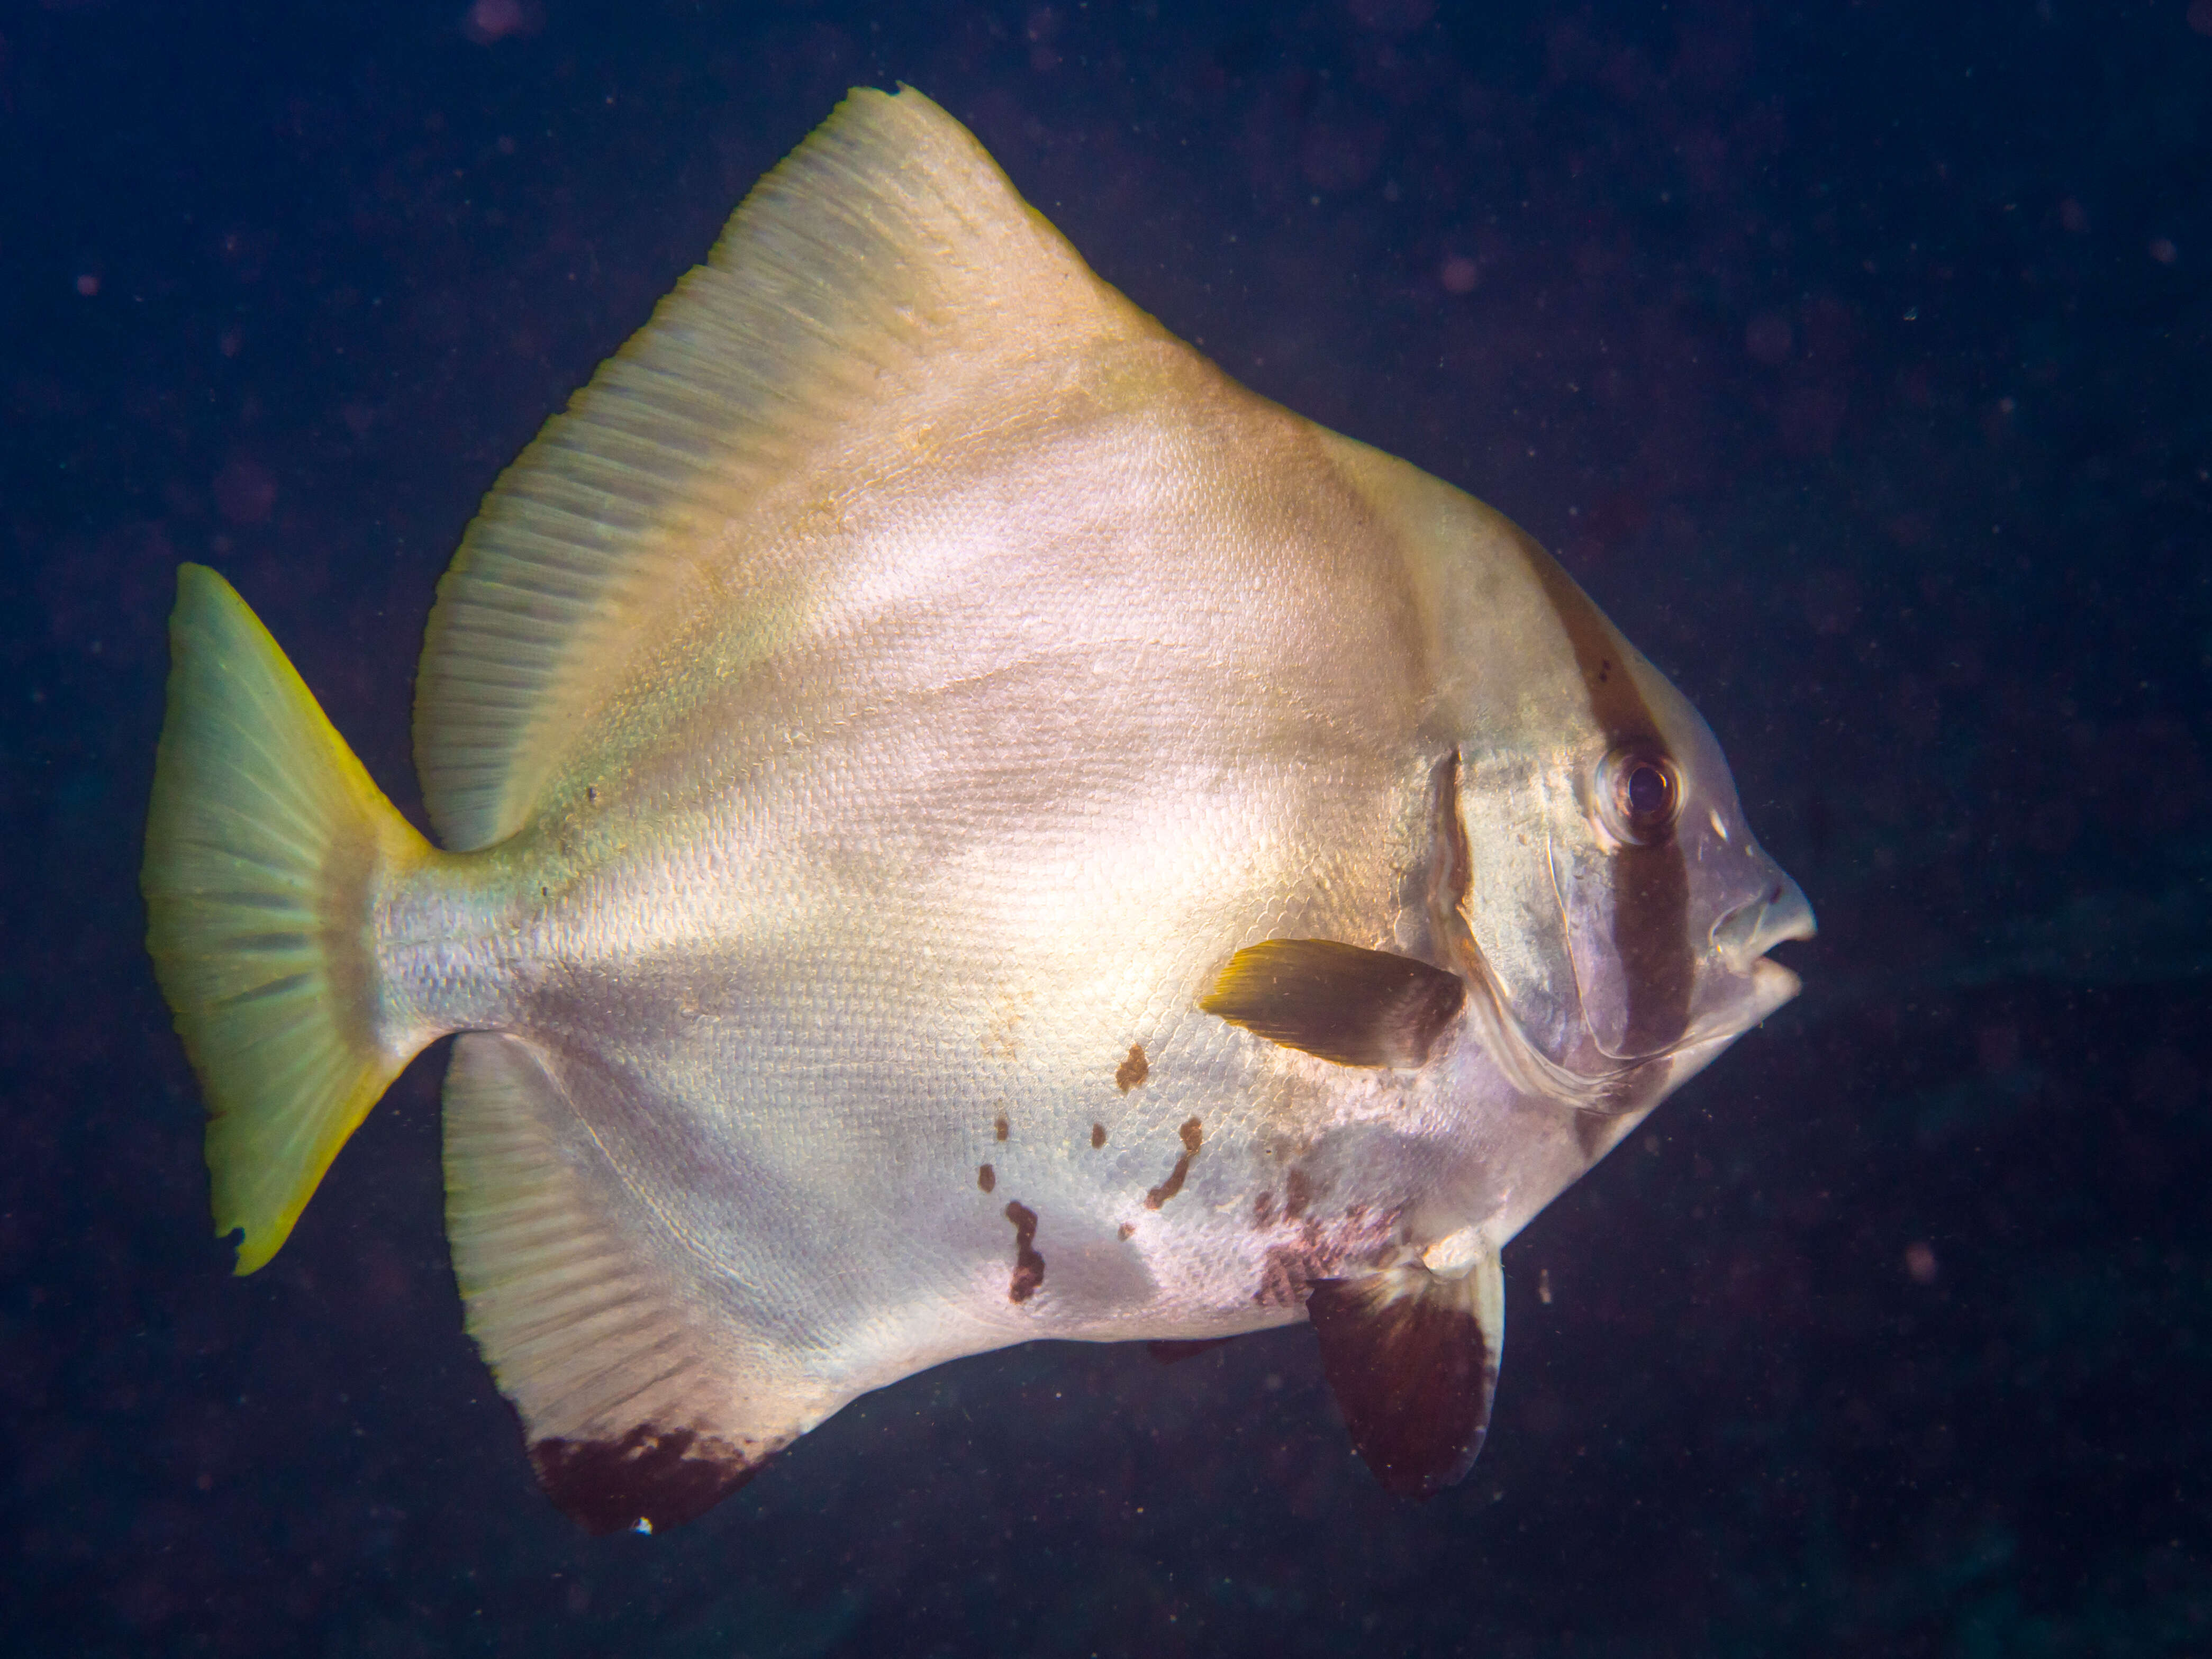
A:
x,y
1291,1270
1317,1248
1263,1208
1128,1229
1166,1189
663,1477
1298,1193
1283,1277
986,1177
1097,1136
999,1128
1194,1136
1133,1070
1029,1266
1002,1038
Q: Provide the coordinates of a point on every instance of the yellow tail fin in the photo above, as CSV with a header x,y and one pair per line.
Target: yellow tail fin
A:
x,y
264,844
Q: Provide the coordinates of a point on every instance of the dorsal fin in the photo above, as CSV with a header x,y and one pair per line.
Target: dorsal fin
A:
x,y
883,279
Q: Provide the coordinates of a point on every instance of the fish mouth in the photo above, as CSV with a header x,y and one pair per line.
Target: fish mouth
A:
x,y
1740,941
1742,938
1772,985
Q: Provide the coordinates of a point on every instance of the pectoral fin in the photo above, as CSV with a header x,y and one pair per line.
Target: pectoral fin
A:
x,y
1412,1358
1340,1002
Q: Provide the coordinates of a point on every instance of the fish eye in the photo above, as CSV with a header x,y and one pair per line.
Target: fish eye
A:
x,y
1639,794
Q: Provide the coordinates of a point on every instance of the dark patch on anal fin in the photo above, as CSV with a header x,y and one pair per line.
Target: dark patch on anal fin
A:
x,y
1340,1002
1029,1266
1413,1366
663,1477
1175,1352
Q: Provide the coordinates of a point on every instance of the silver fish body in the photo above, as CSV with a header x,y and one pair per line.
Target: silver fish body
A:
x,y
963,825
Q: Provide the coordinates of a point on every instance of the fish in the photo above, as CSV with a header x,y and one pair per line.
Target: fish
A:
x,y
957,823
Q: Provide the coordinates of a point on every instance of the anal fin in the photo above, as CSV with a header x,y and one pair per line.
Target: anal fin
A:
x,y
1412,1358
632,1420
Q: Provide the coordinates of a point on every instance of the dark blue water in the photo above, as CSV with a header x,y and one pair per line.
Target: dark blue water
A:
x,y
1853,355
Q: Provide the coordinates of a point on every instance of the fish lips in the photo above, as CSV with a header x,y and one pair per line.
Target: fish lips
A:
x,y
1742,938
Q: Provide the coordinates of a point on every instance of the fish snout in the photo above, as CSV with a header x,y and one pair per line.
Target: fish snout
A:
x,y
1742,938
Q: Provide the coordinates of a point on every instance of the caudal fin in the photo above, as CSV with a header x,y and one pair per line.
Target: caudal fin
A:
x,y
264,844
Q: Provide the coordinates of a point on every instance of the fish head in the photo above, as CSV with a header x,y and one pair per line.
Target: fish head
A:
x,y
1665,905
1595,866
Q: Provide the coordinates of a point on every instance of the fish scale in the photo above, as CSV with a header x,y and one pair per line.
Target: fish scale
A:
x,y
962,824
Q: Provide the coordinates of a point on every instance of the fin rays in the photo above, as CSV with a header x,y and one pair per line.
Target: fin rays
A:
x,y
1339,1002
888,241
629,1415
1412,1358
263,839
